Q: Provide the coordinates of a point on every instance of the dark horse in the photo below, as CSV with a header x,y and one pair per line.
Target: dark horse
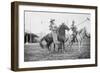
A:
x,y
60,35
48,39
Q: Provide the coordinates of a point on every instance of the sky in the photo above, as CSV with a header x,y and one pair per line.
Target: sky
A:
x,y
38,22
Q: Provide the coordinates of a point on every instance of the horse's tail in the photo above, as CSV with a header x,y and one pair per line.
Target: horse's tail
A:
x,y
41,44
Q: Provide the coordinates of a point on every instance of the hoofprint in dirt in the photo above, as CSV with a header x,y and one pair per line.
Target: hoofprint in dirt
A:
x,y
33,52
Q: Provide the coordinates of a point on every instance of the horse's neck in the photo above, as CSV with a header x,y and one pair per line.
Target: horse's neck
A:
x,y
82,32
61,32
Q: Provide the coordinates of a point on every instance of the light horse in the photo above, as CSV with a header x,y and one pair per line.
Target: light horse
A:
x,y
60,36
80,35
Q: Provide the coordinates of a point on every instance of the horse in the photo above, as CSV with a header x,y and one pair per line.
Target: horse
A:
x,y
80,35
60,36
48,39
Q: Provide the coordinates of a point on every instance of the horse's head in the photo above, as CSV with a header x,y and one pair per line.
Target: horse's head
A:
x,y
62,32
64,26
83,32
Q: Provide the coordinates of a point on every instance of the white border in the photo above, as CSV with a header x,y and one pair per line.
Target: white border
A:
x,y
23,64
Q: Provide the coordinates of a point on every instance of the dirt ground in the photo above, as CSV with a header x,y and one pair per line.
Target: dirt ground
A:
x,y
33,52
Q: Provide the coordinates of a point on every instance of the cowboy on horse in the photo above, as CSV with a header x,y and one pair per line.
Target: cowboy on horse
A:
x,y
74,31
53,28
57,36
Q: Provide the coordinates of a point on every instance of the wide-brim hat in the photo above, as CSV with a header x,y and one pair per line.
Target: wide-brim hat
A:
x,y
51,20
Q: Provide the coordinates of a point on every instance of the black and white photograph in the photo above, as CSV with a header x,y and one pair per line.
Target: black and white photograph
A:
x,y
51,36
56,35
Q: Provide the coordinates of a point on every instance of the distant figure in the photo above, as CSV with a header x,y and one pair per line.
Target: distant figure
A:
x,y
53,28
74,30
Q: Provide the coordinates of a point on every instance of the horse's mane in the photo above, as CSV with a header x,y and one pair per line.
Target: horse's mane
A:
x,y
63,25
81,30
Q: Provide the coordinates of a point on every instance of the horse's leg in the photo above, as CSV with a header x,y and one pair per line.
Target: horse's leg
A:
x,y
54,47
63,45
59,47
79,44
49,48
70,44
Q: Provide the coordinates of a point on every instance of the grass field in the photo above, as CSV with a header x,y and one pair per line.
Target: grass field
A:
x,y
33,52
